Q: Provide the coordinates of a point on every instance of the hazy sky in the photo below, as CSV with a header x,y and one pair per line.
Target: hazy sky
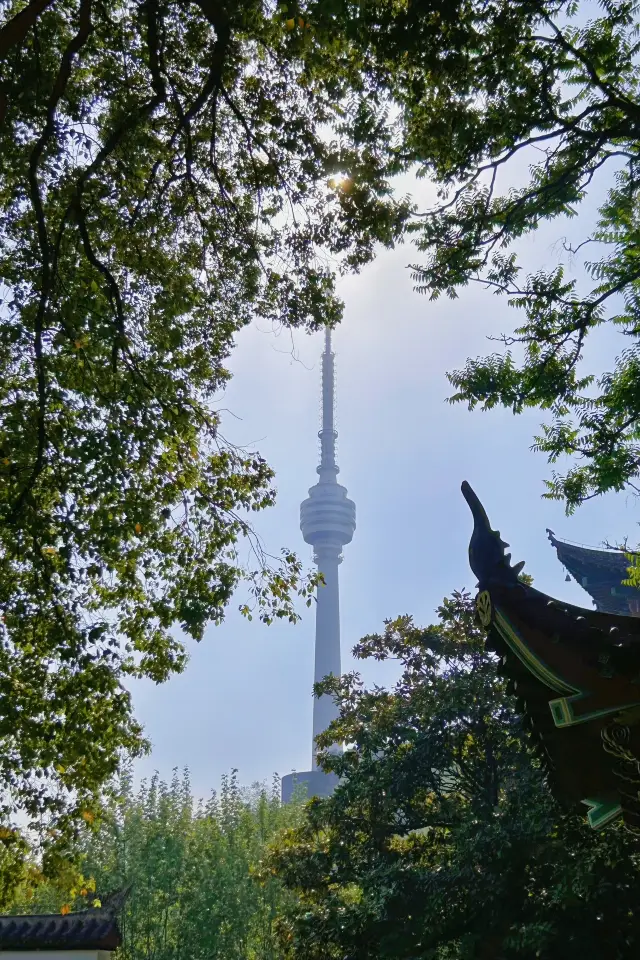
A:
x,y
244,700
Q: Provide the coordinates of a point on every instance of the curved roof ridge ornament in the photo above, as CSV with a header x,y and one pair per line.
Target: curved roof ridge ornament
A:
x,y
487,556
113,902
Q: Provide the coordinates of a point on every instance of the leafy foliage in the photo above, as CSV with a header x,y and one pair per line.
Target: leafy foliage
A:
x,y
191,869
527,79
442,841
483,87
163,180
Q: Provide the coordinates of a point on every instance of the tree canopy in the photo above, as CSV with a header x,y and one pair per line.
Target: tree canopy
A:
x,y
484,87
163,180
442,840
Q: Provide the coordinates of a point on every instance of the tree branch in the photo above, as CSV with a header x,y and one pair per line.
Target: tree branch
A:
x,y
114,291
59,87
16,29
616,98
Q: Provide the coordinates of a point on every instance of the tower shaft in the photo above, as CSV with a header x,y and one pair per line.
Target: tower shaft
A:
x,y
327,651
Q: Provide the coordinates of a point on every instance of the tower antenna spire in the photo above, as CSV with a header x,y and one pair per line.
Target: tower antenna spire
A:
x,y
328,468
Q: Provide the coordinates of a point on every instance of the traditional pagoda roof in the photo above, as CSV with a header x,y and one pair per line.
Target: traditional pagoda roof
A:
x,y
95,929
599,572
575,674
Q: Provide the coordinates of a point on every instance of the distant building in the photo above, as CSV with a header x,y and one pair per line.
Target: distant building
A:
x,y
328,522
600,573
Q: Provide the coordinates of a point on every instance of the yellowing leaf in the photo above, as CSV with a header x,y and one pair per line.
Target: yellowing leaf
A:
x,y
88,816
300,22
60,769
138,528
290,24
84,892
65,909
97,903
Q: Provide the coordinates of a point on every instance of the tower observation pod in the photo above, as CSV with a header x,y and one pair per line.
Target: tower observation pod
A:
x,y
327,522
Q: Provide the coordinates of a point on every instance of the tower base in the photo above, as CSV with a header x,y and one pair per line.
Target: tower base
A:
x,y
316,783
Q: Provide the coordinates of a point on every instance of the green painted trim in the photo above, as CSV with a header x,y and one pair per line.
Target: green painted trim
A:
x,y
601,813
532,663
564,715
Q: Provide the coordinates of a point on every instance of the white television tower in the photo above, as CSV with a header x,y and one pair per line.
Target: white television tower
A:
x,y
328,522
